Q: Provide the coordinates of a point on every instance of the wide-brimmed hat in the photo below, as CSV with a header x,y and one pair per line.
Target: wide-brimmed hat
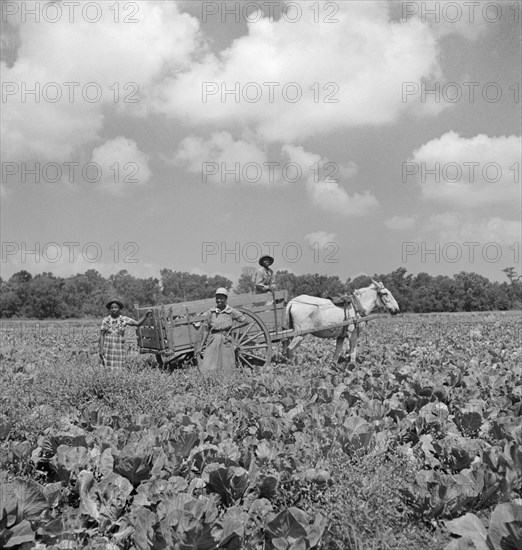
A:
x,y
114,301
221,290
266,257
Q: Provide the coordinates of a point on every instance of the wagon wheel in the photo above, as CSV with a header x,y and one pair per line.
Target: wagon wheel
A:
x,y
252,342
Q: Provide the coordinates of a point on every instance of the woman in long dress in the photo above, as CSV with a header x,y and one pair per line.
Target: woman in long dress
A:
x,y
112,334
219,357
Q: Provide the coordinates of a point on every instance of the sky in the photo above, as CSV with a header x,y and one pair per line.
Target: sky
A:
x,y
342,138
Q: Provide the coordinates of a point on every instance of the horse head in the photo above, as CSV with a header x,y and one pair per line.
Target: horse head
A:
x,y
385,298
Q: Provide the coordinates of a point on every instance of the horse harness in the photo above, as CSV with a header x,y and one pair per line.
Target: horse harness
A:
x,y
344,301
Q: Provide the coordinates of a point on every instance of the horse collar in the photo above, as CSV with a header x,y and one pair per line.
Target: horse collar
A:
x,y
357,305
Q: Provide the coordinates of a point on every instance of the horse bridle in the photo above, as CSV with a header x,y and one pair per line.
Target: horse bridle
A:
x,y
380,292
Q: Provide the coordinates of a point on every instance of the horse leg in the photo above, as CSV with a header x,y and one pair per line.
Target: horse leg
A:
x,y
338,348
294,344
354,337
284,345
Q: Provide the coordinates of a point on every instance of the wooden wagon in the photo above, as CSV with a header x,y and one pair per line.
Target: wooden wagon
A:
x,y
173,329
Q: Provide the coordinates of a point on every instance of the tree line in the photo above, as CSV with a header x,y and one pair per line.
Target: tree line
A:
x,y
47,296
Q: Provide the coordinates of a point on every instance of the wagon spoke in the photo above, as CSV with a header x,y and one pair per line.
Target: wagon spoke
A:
x,y
256,357
245,332
244,360
251,339
254,346
248,328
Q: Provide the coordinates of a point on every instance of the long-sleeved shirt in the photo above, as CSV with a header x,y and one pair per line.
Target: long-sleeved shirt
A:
x,y
222,319
263,279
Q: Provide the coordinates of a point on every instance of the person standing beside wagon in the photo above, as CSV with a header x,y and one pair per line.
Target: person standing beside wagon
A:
x,y
219,356
112,334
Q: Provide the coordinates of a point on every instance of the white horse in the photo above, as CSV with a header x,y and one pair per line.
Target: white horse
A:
x,y
308,312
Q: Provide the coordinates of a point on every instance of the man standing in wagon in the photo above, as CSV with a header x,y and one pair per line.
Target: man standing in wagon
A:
x,y
264,279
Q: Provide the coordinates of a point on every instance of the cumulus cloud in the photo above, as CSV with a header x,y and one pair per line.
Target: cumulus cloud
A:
x,y
450,227
290,81
221,159
328,194
469,172
322,238
293,80
445,17
400,223
95,67
348,170
120,166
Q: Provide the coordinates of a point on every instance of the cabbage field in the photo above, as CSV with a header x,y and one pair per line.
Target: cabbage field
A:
x,y
417,446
